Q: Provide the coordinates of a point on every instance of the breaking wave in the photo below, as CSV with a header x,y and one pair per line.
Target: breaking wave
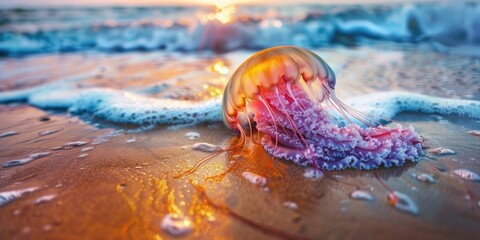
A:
x,y
118,29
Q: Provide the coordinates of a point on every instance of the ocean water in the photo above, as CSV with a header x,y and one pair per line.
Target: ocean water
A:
x,y
446,26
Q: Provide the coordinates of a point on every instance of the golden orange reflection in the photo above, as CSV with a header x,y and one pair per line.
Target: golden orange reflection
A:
x,y
220,68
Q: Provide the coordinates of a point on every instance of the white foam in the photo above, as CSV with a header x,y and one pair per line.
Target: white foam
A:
x,y
126,107
389,104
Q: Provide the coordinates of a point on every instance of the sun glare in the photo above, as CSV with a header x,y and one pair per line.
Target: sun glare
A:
x,y
223,13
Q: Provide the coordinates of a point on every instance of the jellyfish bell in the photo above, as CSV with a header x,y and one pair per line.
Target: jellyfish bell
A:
x,y
288,94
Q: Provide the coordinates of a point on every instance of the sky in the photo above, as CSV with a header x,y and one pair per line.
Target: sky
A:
x,y
13,3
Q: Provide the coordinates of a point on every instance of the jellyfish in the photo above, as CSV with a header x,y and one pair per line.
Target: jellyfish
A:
x,y
288,94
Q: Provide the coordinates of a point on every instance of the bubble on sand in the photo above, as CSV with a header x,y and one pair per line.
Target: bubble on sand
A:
x,y
290,205
402,202
192,135
255,178
466,174
48,132
86,149
467,197
313,173
442,151
475,133
361,195
424,177
31,157
8,133
39,155
131,140
47,227
206,147
176,225
46,198
74,144
9,196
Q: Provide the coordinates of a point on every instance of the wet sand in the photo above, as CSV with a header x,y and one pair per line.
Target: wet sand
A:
x,y
123,190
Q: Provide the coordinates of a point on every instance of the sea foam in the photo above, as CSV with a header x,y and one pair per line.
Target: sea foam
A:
x,y
126,107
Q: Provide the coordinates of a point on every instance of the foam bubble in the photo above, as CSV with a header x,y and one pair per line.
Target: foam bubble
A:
x,y
31,157
402,202
312,173
206,147
255,178
8,133
74,144
361,195
290,205
48,132
176,225
466,174
424,177
46,198
86,149
442,151
9,196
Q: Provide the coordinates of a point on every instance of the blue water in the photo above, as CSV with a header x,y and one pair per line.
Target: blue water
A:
x,y
116,29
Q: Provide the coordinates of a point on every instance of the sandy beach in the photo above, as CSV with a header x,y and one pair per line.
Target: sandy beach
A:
x,y
106,180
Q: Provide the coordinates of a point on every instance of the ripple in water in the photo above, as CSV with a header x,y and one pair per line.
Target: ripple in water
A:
x,y
105,137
